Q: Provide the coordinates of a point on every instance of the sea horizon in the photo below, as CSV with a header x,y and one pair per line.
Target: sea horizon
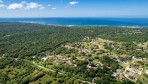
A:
x,y
82,21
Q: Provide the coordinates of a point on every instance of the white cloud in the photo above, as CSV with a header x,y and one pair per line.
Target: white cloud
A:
x,y
41,8
25,6
2,6
33,5
73,3
15,6
23,2
54,8
1,1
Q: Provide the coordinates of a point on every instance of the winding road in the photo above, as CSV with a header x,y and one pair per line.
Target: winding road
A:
x,y
47,69
44,68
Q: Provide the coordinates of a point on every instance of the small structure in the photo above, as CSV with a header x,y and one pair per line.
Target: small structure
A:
x,y
93,65
121,77
137,58
44,58
116,73
122,59
146,72
133,71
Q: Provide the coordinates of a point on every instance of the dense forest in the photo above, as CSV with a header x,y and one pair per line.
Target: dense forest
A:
x,y
25,40
21,42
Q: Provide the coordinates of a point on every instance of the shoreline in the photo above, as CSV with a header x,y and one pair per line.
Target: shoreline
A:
x,y
123,26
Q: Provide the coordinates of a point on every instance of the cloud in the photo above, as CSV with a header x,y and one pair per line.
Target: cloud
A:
x,y
23,2
73,3
25,6
33,5
1,1
53,8
15,6
2,6
41,8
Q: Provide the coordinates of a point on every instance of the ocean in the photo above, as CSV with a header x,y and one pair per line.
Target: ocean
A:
x,y
142,22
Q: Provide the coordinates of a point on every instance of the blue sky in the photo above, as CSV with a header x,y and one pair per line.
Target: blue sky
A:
x,y
74,8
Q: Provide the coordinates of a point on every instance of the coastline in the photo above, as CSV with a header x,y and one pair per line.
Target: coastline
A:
x,y
125,26
85,21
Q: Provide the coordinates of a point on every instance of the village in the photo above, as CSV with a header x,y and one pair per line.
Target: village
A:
x,y
131,69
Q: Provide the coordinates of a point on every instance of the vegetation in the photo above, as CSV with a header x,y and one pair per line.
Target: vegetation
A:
x,y
48,54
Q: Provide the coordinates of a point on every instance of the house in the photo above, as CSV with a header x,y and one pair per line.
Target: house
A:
x,y
44,58
93,65
136,58
122,59
146,72
116,73
121,77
